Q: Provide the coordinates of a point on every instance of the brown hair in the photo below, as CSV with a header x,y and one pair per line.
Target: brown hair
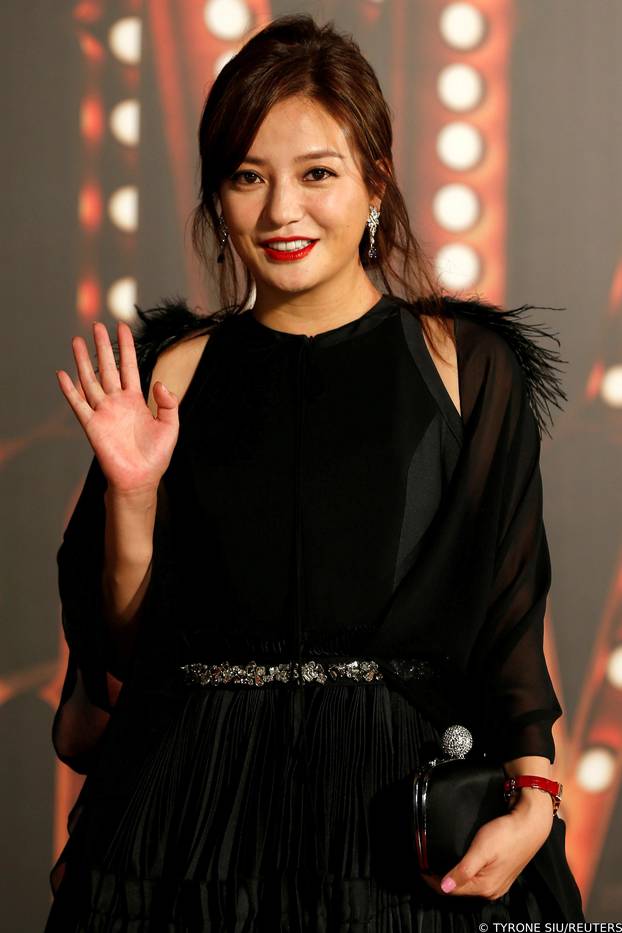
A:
x,y
294,55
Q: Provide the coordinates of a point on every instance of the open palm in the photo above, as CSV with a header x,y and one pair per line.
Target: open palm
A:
x,y
133,448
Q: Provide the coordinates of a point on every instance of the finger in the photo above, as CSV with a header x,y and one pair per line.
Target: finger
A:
x,y
167,403
478,887
462,877
106,363
90,383
128,363
80,390
80,407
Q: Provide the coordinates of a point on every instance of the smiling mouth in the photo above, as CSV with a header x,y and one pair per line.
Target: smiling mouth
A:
x,y
287,245
287,250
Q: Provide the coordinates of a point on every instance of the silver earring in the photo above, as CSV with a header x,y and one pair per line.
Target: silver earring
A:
x,y
372,222
223,238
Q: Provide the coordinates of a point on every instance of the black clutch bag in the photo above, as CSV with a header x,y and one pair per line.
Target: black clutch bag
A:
x,y
452,798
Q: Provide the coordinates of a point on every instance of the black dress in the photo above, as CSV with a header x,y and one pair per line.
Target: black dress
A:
x,y
325,502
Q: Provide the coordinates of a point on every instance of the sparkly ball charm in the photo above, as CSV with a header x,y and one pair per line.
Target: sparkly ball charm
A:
x,y
457,741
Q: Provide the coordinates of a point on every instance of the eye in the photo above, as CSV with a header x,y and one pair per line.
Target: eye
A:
x,y
242,177
237,176
325,170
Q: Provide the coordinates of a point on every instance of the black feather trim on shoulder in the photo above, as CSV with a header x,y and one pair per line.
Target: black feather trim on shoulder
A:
x,y
162,326
539,364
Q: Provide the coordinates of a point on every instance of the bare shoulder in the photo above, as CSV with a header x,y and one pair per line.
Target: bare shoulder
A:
x,y
444,356
176,365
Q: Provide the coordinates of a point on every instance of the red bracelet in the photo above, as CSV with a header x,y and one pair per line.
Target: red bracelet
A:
x,y
554,788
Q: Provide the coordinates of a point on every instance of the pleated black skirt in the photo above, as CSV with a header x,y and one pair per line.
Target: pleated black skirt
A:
x,y
229,817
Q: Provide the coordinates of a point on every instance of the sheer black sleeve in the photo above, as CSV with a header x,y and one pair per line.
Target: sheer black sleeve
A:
x,y
519,699
80,563
521,693
80,560
473,601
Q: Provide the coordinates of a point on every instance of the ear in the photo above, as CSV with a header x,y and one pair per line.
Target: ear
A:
x,y
374,197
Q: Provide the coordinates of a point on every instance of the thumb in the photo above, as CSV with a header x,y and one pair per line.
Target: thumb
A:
x,y
466,869
167,403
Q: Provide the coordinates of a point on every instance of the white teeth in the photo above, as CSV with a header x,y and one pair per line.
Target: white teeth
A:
x,y
289,247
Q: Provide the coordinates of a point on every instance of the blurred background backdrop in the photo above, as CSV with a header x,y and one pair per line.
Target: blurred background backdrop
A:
x,y
508,147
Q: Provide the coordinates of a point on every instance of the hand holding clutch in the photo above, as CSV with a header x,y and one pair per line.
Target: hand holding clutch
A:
x,y
500,850
462,827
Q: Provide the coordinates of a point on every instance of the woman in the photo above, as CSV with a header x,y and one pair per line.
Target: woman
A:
x,y
310,539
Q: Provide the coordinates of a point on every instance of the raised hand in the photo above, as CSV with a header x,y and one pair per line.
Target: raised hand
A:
x,y
133,448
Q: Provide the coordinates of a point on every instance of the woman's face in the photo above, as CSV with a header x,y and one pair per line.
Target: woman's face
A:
x,y
299,179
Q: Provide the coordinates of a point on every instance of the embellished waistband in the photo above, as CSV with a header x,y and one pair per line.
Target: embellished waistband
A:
x,y
312,671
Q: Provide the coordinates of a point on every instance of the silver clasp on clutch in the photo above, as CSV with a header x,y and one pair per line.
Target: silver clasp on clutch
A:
x,y
457,741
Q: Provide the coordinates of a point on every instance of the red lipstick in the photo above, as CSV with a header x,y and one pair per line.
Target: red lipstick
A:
x,y
282,255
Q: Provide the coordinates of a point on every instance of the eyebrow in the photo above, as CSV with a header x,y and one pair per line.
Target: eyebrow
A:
x,y
316,154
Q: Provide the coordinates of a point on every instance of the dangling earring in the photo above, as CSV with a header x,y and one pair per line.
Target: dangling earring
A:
x,y
223,238
372,223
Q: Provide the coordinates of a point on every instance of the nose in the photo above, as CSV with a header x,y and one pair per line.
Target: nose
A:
x,y
283,205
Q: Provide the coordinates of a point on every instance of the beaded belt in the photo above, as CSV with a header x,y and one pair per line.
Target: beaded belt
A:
x,y
254,674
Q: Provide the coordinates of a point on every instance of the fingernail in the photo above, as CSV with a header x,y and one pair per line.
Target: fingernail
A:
x,y
448,884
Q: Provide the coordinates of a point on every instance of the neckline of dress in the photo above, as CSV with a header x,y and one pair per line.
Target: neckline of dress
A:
x,y
378,312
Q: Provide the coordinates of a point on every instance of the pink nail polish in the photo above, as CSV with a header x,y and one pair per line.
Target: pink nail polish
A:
x,y
448,884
